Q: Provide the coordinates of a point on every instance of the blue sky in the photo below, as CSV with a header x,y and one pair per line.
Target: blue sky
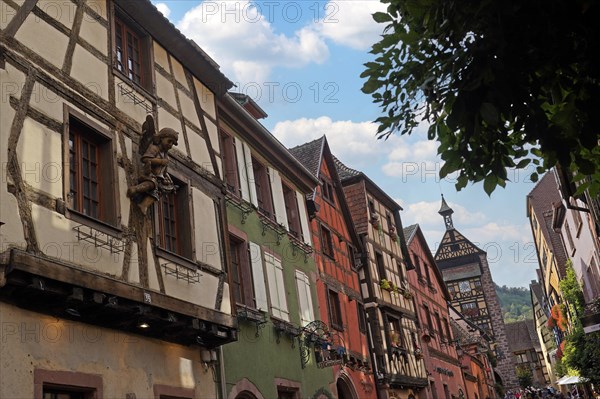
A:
x,y
301,61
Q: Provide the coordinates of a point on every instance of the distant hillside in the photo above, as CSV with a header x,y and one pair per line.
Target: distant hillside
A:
x,y
515,302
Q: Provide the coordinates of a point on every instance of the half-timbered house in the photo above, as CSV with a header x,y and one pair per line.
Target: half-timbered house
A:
x,y
338,251
391,318
469,281
100,296
431,301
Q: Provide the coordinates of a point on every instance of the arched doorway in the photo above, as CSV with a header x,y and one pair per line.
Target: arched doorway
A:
x,y
344,389
498,378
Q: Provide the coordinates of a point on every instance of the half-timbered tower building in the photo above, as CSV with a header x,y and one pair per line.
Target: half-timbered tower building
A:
x,y
337,254
469,281
431,302
391,318
112,270
283,346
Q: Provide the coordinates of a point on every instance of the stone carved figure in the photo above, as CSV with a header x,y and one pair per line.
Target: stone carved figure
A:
x,y
154,179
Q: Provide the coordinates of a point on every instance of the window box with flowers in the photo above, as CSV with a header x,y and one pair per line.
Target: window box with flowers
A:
x,y
419,353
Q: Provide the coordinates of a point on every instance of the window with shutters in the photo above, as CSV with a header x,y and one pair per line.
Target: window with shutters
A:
x,y
230,166
277,295
173,221
292,212
326,242
262,182
438,323
132,49
351,256
362,320
258,276
335,310
380,265
327,191
304,298
241,272
89,173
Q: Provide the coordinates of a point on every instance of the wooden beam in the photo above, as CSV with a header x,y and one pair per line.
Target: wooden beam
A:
x,y
15,23
20,260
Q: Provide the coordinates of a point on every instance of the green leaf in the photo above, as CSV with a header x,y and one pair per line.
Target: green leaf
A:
x,y
489,113
489,184
382,17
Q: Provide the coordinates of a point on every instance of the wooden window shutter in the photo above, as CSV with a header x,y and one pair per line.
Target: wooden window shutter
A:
x,y
278,199
305,298
276,288
303,214
258,277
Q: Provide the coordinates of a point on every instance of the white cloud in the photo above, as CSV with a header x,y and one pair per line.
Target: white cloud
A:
x,y
426,215
349,22
494,233
245,43
164,9
354,143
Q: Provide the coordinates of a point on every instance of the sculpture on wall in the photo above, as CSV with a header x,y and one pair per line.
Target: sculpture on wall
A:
x,y
154,180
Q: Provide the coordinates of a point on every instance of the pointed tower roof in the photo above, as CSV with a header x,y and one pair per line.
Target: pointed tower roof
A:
x,y
446,213
453,245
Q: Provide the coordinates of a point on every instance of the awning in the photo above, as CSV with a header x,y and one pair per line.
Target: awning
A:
x,y
573,379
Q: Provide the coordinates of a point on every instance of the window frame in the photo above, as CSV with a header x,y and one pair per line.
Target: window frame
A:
x,y
292,211
362,318
327,247
244,272
229,160
381,270
264,191
147,78
185,213
327,191
90,385
110,222
334,310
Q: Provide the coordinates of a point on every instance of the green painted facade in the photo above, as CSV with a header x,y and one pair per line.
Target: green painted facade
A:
x,y
273,354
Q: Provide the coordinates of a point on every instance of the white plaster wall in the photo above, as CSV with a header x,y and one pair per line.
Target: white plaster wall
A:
x,y
202,293
213,133
208,245
7,13
164,90
62,11
207,98
40,156
95,34
199,151
188,108
45,100
33,340
160,56
57,240
178,71
99,6
152,273
11,234
90,71
43,39
226,303
125,104
166,119
124,201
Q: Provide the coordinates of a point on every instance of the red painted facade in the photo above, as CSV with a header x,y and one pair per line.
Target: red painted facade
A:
x,y
336,246
431,296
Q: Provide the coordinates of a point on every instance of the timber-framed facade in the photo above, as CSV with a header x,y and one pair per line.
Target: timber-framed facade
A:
x,y
398,365
81,268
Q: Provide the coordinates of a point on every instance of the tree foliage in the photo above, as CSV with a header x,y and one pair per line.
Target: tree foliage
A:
x,y
515,303
582,351
524,376
503,84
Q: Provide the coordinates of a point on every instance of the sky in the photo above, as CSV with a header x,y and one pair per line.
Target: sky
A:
x,y
301,62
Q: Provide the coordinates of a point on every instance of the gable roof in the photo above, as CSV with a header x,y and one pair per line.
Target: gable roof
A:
x,y
521,336
410,233
349,176
310,154
542,200
454,245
